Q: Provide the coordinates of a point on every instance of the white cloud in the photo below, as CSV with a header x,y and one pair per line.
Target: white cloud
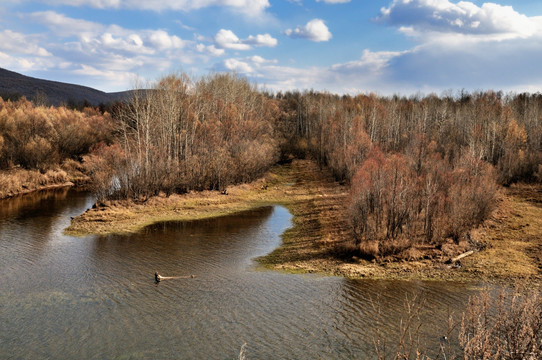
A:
x,y
24,63
256,59
163,41
248,7
373,62
501,65
17,43
226,39
210,49
63,25
459,44
251,66
105,74
237,66
509,65
104,55
186,27
314,30
261,40
98,37
423,18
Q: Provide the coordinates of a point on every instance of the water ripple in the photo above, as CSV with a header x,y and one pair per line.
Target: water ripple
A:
x,y
94,297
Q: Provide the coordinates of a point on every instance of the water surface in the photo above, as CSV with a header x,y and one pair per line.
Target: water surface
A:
x,y
94,297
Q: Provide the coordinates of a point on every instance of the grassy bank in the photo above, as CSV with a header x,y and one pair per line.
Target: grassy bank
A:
x,y
320,235
279,186
18,181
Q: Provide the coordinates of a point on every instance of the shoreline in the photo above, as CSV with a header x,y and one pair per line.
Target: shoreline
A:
x,y
38,189
513,250
127,216
18,181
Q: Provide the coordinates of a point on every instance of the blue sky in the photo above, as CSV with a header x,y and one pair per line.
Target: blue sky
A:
x,y
341,46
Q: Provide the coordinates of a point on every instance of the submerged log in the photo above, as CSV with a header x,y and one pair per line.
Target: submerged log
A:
x,y
178,277
158,277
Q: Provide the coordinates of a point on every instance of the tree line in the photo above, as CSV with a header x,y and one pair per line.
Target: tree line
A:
x,y
181,135
421,169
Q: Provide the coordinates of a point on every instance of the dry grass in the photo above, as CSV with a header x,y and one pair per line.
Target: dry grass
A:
x,y
19,181
320,238
130,216
513,237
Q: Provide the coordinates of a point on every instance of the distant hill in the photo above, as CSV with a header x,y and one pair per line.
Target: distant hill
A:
x,y
13,85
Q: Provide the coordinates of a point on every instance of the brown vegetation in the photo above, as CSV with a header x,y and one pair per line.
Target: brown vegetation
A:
x,y
502,130
183,135
41,146
320,238
505,326
394,205
420,169
35,137
419,174
21,181
509,327
506,246
289,185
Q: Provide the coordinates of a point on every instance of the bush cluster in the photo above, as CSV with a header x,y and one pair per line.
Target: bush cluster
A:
x,y
182,135
37,137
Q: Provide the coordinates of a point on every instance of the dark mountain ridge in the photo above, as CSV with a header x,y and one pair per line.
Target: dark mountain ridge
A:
x,y
14,85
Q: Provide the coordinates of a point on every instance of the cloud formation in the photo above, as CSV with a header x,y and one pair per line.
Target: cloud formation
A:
x,y
95,35
226,39
17,43
249,7
314,30
253,66
457,44
210,49
418,17
109,54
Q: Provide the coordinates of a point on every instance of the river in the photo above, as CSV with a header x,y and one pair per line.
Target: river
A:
x,y
94,297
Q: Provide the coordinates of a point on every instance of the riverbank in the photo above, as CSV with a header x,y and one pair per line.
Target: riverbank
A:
x,y
320,236
19,181
283,185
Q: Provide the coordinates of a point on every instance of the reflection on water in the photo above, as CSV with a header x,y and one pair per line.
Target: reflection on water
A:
x,y
94,297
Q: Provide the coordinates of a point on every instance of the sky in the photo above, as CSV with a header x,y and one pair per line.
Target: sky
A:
x,y
341,46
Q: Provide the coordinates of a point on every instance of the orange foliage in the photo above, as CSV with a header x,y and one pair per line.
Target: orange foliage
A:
x,y
40,137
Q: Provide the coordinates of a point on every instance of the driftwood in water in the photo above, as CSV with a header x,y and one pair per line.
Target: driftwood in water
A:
x,y
177,277
158,277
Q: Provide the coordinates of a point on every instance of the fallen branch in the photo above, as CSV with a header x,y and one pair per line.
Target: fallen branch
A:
x,y
158,277
177,277
459,257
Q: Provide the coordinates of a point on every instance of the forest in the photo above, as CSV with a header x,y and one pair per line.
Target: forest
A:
x,y
420,169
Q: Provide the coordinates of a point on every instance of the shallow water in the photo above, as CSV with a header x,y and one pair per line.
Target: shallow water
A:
x,y
95,297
